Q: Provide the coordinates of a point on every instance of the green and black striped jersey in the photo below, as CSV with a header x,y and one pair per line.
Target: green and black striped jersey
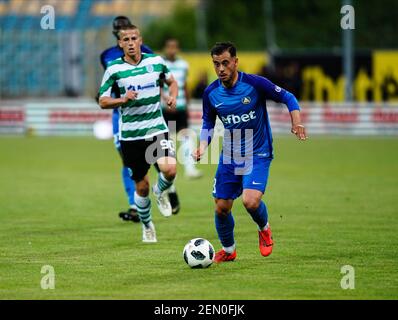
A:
x,y
140,118
179,70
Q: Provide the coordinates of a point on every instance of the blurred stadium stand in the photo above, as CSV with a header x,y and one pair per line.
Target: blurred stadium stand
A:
x,y
47,66
52,63
31,59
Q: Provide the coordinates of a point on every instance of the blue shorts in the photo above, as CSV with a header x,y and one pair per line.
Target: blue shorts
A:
x,y
231,178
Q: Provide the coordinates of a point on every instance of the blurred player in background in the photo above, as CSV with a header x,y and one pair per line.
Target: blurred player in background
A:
x,y
107,56
239,100
143,132
179,69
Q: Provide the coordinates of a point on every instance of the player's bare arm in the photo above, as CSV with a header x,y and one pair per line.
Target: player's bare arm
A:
x,y
187,94
171,100
112,103
298,128
198,153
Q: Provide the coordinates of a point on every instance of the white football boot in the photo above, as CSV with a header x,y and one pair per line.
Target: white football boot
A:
x,y
163,202
193,173
149,233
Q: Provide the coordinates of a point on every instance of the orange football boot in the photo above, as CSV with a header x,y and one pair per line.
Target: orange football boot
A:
x,y
223,256
265,242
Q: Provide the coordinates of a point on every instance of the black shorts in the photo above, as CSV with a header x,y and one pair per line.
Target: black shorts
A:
x,y
138,155
180,117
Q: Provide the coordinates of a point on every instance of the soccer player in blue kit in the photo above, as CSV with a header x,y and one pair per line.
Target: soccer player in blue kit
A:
x,y
107,56
239,100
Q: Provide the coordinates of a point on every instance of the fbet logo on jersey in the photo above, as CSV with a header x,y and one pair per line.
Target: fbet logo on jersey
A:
x,y
233,118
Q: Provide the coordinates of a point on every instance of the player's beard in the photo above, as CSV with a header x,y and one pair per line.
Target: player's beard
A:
x,y
226,80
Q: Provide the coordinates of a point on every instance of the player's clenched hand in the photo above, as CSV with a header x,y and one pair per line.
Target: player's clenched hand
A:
x,y
198,153
299,131
171,102
130,95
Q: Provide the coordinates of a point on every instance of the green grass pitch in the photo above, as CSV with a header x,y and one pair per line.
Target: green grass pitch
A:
x,y
331,201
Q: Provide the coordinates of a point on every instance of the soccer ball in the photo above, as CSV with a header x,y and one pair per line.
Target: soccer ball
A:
x,y
103,130
198,253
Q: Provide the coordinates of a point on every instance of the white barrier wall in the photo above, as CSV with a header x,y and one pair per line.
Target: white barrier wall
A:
x,y
12,119
48,118
64,118
354,119
339,119
77,117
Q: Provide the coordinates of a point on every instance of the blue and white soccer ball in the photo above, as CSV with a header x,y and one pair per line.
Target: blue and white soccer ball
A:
x,y
198,253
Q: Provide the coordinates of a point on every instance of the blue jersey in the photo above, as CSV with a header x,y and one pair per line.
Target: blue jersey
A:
x,y
242,110
107,56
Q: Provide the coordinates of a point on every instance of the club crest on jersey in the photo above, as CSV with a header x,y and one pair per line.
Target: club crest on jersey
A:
x,y
278,89
246,100
149,68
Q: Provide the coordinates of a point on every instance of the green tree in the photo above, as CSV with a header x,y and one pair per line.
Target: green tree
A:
x,y
376,23
239,21
181,24
298,24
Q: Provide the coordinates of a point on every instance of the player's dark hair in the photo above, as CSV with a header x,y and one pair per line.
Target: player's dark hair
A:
x,y
119,23
129,27
168,39
220,47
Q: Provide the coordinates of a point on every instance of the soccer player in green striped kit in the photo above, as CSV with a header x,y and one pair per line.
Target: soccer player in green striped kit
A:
x,y
179,68
143,131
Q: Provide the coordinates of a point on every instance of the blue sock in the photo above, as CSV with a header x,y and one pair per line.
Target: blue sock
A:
x,y
260,216
129,185
225,229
